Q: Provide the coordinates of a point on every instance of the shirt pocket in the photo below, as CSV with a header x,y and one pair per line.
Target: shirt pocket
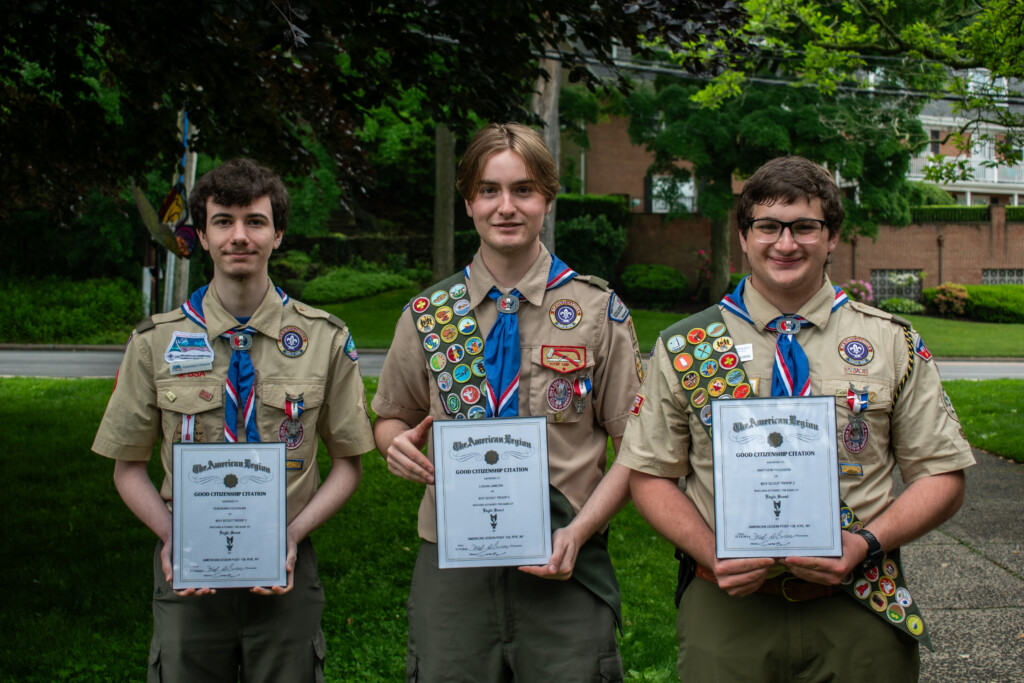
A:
x,y
202,400
558,374
862,430
274,420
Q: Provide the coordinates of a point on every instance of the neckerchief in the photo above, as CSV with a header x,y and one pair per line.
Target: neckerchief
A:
x,y
238,386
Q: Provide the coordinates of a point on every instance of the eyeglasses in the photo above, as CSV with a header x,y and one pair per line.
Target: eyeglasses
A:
x,y
803,230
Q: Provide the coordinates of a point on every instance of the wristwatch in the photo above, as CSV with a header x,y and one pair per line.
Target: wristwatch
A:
x,y
875,552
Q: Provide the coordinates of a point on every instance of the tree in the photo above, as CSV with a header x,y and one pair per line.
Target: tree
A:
x,y
91,95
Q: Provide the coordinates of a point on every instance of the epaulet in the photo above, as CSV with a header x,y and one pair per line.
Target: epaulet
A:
x,y
878,313
145,324
314,313
594,280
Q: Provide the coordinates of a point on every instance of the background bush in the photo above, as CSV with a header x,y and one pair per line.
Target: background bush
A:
x,y
652,286
901,306
948,299
995,303
590,245
614,207
53,311
345,283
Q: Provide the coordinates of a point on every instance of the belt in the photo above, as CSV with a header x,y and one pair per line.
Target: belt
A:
x,y
786,585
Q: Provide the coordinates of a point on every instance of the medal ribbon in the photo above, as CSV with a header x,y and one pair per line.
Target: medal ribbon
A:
x,y
238,386
582,387
293,407
502,355
791,374
856,400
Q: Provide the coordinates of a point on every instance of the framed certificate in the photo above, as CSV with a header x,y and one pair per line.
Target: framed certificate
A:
x,y
776,477
229,515
491,486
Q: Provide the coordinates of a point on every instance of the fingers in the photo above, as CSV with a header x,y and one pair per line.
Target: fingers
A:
x,y
744,576
419,433
562,561
405,458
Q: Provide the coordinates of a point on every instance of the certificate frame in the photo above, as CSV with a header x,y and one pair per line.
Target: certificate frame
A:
x,y
776,473
229,515
491,492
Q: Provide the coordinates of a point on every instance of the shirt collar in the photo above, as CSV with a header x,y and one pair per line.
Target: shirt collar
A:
x,y
532,286
816,310
266,319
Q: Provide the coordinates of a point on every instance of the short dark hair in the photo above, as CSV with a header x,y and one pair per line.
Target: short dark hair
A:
x,y
498,137
787,180
239,182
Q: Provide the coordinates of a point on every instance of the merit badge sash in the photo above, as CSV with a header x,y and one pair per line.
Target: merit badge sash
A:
x,y
708,367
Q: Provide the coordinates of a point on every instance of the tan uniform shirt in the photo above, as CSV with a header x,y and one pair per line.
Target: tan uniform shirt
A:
x,y
577,442
148,401
923,435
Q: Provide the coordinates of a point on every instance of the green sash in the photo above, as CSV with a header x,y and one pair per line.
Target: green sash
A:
x,y
708,367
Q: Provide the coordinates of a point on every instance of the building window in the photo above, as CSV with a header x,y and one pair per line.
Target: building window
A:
x,y
902,283
671,195
934,142
1002,276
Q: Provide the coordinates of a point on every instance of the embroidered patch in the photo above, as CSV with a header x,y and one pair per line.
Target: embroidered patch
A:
x,y
851,469
856,351
290,433
922,350
638,403
292,341
617,310
565,314
559,394
855,435
563,359
350,348
683,362
294,465
470,394
420,304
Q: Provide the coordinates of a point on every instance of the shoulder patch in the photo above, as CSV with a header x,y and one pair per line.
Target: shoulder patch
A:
x,y
617,310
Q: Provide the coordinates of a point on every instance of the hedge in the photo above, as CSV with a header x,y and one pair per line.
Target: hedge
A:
x,y
949,214
1015,214
614,207
987,303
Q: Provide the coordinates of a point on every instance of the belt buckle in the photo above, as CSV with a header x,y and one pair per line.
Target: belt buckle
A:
x,y
782,589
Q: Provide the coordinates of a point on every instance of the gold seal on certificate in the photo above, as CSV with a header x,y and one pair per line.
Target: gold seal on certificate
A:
x,y
491,486
229,515
776,477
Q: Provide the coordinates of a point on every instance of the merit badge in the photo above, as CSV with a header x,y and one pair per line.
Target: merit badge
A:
x,y
717,387
638,403
896,613
444,314
476,413
887,585
872,574
903,597
862,587
705,414
431,342
722,344
877,601
565,314
915,625
696,335
457,290
350,348
474,345
559,394
845,517
690,380
855,435
699,398
683,362
477,365
444,381
467,326
449,333
702,351
438,361
708,368
563,359
741,391
617,310
290,433
507,303
890,568
922,350
456,352
461,307
461,373
734,377
420,304
856,351
453,403
292,341
439,297
425,323
470,394
675,343
729,361
715,329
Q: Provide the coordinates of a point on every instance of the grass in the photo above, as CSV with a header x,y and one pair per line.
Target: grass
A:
x,y
991,412
967,338
372,319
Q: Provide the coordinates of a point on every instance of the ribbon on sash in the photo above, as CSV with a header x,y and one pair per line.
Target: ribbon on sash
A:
x,y
238,386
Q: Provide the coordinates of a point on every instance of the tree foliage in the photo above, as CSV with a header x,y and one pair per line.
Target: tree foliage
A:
x,y
91,94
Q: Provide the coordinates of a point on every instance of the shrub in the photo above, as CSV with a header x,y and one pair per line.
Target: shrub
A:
x,y
614,207
859,290
653,286
948,299
995,303
949,214
901,306
344,284
590,245
54,311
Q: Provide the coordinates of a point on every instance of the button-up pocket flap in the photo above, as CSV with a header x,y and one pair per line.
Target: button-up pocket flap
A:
x,y
189,397
277,393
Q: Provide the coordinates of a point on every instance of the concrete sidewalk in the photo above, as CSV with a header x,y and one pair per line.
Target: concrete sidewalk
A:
x,y
968,575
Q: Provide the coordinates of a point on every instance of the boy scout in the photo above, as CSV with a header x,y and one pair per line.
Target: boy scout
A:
x,y
267,368
786,331
542,341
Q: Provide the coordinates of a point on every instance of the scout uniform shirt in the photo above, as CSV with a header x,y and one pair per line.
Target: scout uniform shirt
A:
x,y
601,348
298,353
855,349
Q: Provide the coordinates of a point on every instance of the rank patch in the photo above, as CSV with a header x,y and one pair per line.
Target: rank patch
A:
x,y
559,394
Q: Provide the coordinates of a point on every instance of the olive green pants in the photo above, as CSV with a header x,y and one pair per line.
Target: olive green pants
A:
x,y
767,638
483,625
237,635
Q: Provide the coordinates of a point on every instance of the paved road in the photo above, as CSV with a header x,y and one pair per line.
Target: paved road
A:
x,y
103,362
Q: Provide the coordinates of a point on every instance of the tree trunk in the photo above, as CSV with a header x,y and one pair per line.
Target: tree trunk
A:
x,y
444,202
719,284
545,105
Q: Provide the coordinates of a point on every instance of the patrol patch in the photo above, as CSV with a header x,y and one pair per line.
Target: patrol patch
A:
x,y
638,403
617,310
921,350
856,351
350,348
565,314
292,341
563,359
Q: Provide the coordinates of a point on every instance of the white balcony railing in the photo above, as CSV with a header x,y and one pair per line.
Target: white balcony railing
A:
x,y
1010,175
